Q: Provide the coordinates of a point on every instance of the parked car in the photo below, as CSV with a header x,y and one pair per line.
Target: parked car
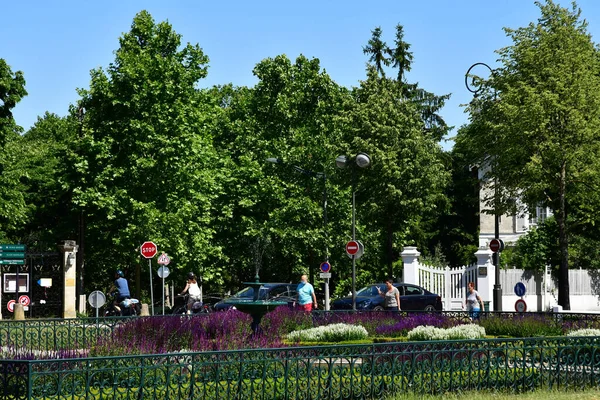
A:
x,y
412,298
268,291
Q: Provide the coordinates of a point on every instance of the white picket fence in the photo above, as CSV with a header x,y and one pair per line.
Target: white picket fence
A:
x,y
542,293
449,283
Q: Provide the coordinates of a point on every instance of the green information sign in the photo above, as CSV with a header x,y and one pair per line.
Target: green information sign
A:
x,y
12,262
12,247
4,254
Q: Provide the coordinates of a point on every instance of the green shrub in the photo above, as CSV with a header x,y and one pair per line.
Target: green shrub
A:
x,y
521,326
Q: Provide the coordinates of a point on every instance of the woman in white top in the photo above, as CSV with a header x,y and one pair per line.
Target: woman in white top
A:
x,y
473,302
193,290
391,296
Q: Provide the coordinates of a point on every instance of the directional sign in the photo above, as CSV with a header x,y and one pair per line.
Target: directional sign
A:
x,y
12,247
24,300
5,254
164,259
520,289
12,262
11,305
325,267
148,249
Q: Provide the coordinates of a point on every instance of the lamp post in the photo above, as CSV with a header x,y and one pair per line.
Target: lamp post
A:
x,y
323,176
81,221
497,293
361,160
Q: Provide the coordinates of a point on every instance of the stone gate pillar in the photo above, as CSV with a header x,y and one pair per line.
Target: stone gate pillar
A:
x,y
410,259
486,274
69,253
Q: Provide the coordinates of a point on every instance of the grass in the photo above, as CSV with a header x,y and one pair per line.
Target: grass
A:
x,y
546,395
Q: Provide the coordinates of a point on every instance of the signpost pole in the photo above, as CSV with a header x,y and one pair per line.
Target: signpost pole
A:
x,y
151,286
353,255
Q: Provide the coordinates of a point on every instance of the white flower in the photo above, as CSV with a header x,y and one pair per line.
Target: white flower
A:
x,y
329,333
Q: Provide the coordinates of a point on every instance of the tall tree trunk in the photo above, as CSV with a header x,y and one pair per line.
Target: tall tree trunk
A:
x,y
390,250
563,242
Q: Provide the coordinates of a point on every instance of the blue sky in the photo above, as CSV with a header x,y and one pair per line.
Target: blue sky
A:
x,y
56,43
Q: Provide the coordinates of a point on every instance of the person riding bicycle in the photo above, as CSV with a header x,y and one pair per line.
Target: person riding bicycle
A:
x,y
121,286
193,290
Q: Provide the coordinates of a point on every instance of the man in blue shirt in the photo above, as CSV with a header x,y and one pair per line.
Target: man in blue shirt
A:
x,y
306,295
121,286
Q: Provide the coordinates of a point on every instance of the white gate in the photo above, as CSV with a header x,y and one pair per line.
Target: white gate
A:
x,y
449,283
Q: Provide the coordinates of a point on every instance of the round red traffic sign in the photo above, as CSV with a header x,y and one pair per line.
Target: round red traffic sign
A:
x,y
148,249
24,300
496,245
352,247
11,305
520,306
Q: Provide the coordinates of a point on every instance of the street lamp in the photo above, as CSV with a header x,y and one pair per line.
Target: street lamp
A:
x,y
362,160
324,177
497,293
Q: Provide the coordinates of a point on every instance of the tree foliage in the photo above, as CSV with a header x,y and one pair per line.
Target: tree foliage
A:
x,y
537,125
148,166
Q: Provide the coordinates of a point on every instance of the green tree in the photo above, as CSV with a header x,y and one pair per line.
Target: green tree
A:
x,y
148,165
277,213
13,209
536,122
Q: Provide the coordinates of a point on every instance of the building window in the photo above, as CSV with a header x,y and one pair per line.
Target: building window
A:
x,y
541,213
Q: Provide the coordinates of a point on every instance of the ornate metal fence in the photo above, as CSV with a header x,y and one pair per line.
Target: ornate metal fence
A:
x,y
324,372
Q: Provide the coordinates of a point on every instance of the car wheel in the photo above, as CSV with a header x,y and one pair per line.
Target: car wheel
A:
x,y
429,308
378,308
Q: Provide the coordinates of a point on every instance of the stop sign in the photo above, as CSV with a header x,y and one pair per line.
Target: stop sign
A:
x,y
148,249
352,247
496,245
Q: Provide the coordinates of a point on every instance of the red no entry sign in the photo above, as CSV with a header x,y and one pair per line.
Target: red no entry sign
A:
x,y
352,247
148,249
496,245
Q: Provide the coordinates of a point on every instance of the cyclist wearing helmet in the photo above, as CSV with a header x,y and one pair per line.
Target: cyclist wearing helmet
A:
x,y
193,290
121,286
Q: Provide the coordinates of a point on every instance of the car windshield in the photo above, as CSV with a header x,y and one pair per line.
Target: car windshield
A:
x,y
371,290
248,293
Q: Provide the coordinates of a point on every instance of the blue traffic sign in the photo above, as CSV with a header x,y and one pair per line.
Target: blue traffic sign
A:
x,y
325,267
520,289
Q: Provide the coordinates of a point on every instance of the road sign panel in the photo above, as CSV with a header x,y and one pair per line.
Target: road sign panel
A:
x,y
355,249
325,267
12,247
520,306
24,300
148,249
164,259
496,245
520,289
6,254
352,247
12,262
325,275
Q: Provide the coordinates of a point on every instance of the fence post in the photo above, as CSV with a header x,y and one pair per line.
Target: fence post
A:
x,y
410,259
447,288
485,283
